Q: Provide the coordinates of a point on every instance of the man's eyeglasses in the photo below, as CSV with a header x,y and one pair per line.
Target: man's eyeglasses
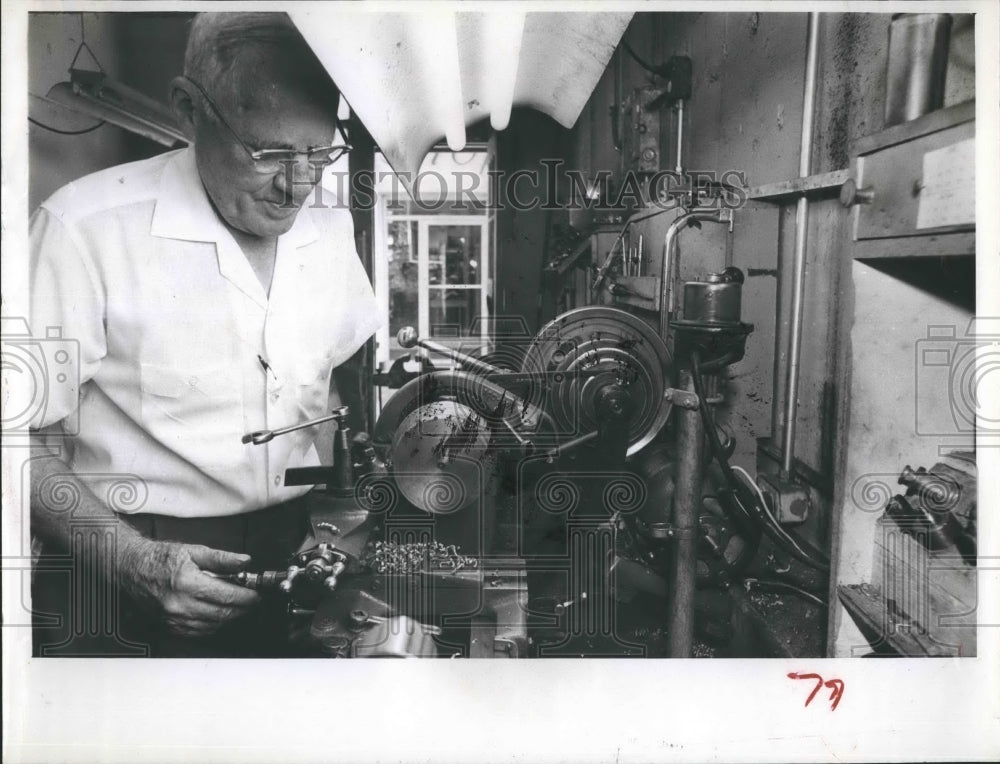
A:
x,y
267,161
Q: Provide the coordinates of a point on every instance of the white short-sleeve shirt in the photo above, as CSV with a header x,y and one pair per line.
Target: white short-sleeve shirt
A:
x,y
171,325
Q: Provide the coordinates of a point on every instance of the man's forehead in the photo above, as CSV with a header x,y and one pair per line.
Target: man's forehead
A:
x,y
285,117
256,71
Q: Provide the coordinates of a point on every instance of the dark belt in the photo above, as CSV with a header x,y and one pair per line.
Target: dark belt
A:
x,y
268,535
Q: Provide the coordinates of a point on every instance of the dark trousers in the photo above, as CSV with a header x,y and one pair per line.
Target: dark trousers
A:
x,y
78,609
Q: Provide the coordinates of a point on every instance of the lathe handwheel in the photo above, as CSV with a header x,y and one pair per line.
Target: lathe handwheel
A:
x,y
622,349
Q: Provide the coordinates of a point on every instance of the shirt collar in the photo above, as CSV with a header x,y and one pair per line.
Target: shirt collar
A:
x,y
184,211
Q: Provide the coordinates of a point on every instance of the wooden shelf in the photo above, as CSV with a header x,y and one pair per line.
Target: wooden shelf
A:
x,y
931,245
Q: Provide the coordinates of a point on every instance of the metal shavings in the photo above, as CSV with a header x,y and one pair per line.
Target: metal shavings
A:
x,y
390,557
699,650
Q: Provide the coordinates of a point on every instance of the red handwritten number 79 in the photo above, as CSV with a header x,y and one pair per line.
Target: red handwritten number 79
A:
x,y
836,688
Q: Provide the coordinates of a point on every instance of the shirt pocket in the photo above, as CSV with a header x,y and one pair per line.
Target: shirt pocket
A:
x,y
312,377
196,413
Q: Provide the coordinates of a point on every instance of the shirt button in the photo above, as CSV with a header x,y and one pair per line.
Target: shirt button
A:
x,y
273,397
277,479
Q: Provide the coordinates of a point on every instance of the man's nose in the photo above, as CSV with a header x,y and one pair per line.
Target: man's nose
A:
x,y
297,178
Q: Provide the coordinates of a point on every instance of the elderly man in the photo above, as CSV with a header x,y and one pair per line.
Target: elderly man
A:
x,y
209,297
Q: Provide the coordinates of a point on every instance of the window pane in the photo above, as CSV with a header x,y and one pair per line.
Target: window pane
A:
x,y
402,205
452,311
457,250
403,292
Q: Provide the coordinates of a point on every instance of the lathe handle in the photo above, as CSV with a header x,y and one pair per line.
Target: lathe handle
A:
x,y
260,437
407,337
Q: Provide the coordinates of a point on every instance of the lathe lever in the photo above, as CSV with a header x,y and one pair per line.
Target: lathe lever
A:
x,y
259,437
407,337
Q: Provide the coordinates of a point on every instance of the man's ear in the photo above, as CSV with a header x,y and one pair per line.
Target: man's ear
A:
x,y
182,106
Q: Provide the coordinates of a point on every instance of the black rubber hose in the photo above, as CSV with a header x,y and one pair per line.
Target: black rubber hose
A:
x,y
749,524
642,62
56,130
783,586
760,517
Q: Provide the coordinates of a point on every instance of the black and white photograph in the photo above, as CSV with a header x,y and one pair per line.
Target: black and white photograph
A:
x,y
491,334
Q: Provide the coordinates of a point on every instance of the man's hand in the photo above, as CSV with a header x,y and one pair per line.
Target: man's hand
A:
x,y
174,580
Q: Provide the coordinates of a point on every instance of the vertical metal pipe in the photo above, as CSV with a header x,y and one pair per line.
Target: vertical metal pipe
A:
x,y
729,243
687,499
799,259
618,96
680,137
360,397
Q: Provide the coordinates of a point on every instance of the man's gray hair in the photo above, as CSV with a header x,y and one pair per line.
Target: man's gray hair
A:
x,y
222,47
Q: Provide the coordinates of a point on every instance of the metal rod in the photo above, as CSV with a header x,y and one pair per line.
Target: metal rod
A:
x,y
670,263
680,136
729,244
569,445
799,258
522,442
687,499
260,437
407,338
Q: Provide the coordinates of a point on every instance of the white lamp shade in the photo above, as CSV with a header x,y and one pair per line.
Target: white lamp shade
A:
x,y
414,78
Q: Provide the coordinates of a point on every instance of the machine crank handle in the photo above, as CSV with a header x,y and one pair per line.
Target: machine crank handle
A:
x,y
330,582
523,444
407,337
569,445
259,437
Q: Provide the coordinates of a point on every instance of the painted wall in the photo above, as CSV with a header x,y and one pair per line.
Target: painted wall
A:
x,y
54,159
142,50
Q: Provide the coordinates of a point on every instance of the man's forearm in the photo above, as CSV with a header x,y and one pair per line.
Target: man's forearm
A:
x,y
174,582
52,522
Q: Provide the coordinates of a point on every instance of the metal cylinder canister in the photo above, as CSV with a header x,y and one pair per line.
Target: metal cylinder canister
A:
x,y
918,61
717,300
